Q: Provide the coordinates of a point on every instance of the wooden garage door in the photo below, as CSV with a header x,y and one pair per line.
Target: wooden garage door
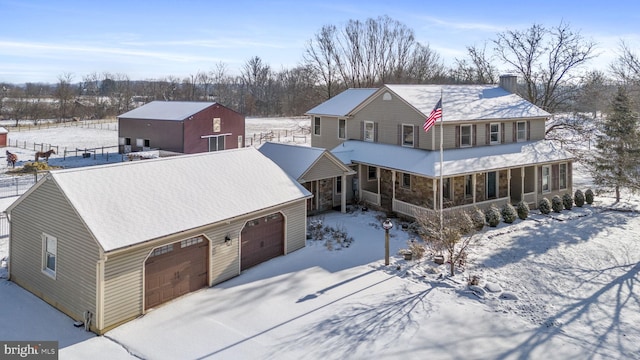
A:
x,y
176,269
262,239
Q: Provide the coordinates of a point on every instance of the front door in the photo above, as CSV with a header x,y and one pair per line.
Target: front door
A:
x,y
492,182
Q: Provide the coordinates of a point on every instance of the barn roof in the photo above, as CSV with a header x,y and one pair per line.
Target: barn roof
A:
x,y
167,110
128,203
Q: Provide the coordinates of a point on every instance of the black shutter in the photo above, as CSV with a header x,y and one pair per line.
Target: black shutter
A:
x,y
502,133
416,136
457,136
528,130
487,138
400,140
474,134
362,130
375,132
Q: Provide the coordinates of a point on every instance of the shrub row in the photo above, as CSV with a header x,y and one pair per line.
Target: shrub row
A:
x,y
557,203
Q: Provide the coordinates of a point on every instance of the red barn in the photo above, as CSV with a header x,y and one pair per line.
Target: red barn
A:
x,y
3,136
181,126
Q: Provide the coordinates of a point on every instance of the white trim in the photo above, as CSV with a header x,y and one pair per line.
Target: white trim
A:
x,y
524,138
345,129
216,135
313,126
566,176
548,177
491,132
373,131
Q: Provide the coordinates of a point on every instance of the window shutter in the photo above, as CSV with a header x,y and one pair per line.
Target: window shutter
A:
x,y
569,176
362,130
416,136
555,177
375,132
502,133
528,130
474,133
400,139
487,138
515,132
457,136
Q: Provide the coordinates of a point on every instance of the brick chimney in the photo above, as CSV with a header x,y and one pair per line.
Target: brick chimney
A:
x,y
509,83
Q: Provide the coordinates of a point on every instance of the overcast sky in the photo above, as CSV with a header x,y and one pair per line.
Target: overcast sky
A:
x,y
43,39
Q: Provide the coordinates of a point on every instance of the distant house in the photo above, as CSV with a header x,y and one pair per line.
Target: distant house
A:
x,y
318,170
180,126
494,147
111,242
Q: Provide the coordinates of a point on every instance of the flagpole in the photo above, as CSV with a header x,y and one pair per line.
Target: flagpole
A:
x,y
441,161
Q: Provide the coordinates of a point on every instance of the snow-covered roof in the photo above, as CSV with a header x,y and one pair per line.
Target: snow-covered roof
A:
x,y
166,110
295,160
3,130
468,102
128,203
455,161
343,103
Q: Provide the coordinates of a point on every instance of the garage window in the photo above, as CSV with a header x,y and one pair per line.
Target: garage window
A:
x,y
189,242
162,250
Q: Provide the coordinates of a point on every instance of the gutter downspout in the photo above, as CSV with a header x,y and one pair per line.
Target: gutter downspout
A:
x,y
99,316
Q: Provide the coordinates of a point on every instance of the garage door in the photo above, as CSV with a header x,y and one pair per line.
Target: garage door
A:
x,y
176,269
262,239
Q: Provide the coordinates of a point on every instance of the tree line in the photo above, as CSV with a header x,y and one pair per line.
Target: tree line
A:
x,y
550,62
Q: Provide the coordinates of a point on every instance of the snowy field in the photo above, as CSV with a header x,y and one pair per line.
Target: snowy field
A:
x,y
563,286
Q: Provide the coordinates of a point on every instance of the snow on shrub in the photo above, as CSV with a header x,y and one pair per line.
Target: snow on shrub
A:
x,y
556,204
509,213
567,201
579,198
588,196
544,206
523,210
477,216
492,216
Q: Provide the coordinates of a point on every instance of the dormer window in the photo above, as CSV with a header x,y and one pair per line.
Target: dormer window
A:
x,y
521,131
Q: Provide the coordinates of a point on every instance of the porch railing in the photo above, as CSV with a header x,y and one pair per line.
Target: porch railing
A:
x,y
370,197
404,208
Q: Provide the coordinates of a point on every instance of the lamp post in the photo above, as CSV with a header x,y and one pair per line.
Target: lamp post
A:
x,y
386,225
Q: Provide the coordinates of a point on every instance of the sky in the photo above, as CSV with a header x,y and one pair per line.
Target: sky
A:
x,y
41,40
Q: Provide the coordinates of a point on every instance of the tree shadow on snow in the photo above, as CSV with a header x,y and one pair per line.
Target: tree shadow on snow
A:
x,y
606,315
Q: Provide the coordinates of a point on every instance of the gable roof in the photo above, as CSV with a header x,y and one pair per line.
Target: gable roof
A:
x,y
343,103
128,203
167,110
296,160
455,161
467,102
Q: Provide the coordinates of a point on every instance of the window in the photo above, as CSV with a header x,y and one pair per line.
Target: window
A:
x,y
127,141
162,250
465,136
191,241
216,124
49,254
369,131
492,185
446,188
316,126
240,142
563,176
216,143
494,133
406,181
338,184
143,143
546,178
468,186
342,129
407,135
521,131
372,172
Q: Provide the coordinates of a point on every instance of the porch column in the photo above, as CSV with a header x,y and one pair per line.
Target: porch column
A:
x,y
522,183
535,183
359,175
473,184
509,184
379,175
343,194
393,191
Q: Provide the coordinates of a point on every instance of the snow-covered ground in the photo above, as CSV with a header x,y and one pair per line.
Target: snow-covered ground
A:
x,y
553,287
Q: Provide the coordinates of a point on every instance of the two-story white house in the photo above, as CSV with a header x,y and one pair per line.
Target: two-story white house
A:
x,y
494,147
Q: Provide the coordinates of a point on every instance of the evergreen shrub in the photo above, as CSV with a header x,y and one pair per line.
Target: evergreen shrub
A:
x,y
523,210
578,197
509,214
567,201
544,206
492,216
588,196
556,204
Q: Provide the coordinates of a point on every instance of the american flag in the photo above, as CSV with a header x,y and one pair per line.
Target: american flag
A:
x,y
436,114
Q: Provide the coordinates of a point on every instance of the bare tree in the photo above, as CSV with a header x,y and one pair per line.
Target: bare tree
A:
x,y
64,93
477,69
256,77
626,67
457,235
547,60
